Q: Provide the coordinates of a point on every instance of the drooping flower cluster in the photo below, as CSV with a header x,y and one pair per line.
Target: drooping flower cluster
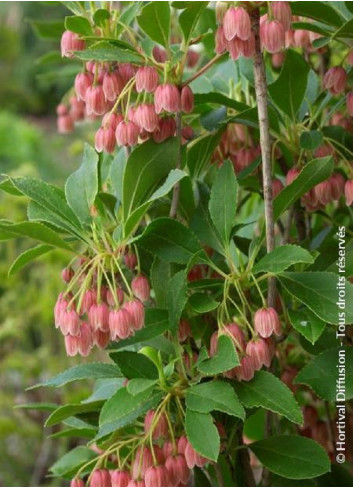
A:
x,y
99,305
158,459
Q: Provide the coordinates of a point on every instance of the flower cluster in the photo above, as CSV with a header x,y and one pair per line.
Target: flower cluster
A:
x,y
100,305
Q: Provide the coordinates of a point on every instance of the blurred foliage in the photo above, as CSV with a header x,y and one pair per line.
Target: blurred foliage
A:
x,y
30,349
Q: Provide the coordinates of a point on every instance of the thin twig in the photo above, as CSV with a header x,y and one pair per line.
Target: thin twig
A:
x,y
203,69
265,143
176,190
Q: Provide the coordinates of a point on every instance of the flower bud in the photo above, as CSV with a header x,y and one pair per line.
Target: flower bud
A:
x,y
181,445
120,324
130,260
67,274
259,352
112,86
141,288
193,458
277,59
166,129
246,369
159,54
161,428
323,192
101,338
100,478
167,97
146,118
349,103
84,340
126,72
157,476
220,41
83,81
95,100
292,175
77,483
266,322
144,459
71,345
184,331
146,79
70,42
167,449
89,298
111,120
234,47
187,100
120,478
65,124
337,186
236,23
105,140
136,311
272,36
348,192
335,80
98,317
277,187
178,470
127,134
281,11
136,483
70,322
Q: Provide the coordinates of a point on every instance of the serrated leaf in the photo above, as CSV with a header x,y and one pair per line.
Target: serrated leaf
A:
x,y
69,410
28,256
202,303
105,52
314,172
82,186
225,359
176,299
267,391
307,324
80,372
189,18
202,434
223,200
216,395
311,140
322,373
282,258
317,290
154,20
37,231
69,463
291,456
134,365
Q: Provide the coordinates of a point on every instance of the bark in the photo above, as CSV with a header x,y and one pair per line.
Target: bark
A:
x,y
265,143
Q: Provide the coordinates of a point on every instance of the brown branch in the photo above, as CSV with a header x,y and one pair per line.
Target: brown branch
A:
x,y
176,189
265,143
203,69
244,459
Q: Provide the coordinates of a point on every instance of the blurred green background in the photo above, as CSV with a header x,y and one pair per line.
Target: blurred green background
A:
x,y
33,78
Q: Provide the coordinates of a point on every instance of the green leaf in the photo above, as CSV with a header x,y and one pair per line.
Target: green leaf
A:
x,y
216,395
154,20
27,256
345,32
136,386
267,391
200,152
80,372
78,24
202,303
202,434
282,258
105,52
176,299
317,290
48,29
37,231
49,198
170,240
189,18
322,373
82,186
69,410
314,172
133,365
288,90
124,408
311,140
100,16
291,456
219,99
320,11
307,324
223,200
225,359
160,275
104,389
145,169
156,323
174,177
68,464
